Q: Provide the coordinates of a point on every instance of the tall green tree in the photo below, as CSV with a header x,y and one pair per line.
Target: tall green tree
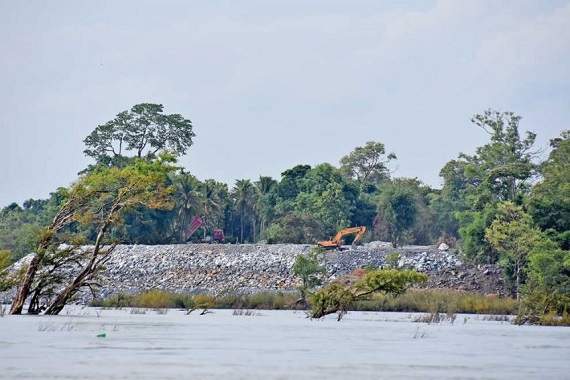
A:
x,y
547,292
144,130
212,207
244,196
474,224
512,236
452,198
266,201
397,214
295,228
368,164
501,170
424,230
289,187
549,202
17,230
188,200
19,226
328,197
333,209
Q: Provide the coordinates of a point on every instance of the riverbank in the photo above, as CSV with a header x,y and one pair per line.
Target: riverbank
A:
x,y
415,300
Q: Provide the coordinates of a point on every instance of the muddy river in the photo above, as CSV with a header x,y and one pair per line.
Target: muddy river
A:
x,y
93,343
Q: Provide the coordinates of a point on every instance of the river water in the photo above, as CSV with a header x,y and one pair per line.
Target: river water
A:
x,y
275,345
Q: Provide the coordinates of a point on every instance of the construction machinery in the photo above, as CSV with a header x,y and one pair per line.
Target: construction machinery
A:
x,y
192,227
218,236
337,241
197,222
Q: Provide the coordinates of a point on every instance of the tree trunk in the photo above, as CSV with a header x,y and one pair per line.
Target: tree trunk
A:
x,y
86,274
62,298
242,223
182,231
518,282
24,289
62,218
34,307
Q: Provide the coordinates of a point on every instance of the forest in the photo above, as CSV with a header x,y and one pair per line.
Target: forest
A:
x,y
502,204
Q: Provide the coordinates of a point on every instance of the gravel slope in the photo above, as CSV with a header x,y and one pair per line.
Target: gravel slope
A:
x,y
249,268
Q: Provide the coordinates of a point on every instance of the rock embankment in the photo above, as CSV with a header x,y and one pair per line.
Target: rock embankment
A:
x,y
250,268
201,268
246,268
485,279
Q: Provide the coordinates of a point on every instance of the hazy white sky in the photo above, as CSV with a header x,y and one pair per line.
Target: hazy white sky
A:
x,y
269,86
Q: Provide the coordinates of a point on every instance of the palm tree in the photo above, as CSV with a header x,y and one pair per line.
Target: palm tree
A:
x,y
212,204
188,199
264,186
243,196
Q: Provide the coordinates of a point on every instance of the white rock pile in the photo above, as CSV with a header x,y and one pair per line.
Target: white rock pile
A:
x,y
245,268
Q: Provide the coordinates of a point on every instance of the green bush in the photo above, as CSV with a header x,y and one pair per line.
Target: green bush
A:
x,y
5,259
543,308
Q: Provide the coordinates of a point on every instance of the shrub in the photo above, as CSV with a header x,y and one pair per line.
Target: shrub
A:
x,y
265,300
433,301
392,260
5,259
153,299
204,301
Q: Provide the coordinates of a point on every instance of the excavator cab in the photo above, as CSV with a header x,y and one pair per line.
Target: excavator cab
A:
x,y
336,242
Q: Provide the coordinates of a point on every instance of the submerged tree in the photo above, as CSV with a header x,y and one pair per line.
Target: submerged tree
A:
x,y
337,298
97,199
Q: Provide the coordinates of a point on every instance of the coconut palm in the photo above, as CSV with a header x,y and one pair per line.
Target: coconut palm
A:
x,y
212,205
243,195
188,199
262,205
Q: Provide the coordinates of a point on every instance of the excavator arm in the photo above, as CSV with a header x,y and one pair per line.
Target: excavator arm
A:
x,y
359,235
336,242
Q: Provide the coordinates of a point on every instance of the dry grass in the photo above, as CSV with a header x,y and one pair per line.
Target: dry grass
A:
x,y
432,301
426,301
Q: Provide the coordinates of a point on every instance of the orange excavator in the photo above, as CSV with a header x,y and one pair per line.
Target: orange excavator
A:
x,y
336,242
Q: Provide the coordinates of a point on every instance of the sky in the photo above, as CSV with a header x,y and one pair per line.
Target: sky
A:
x,y
273,84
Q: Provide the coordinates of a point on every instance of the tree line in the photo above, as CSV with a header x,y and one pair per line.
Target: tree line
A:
x,y
501,204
